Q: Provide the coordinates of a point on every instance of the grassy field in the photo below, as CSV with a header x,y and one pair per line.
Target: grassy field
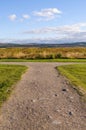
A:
x,y
76,74
9,75
43,53
43,60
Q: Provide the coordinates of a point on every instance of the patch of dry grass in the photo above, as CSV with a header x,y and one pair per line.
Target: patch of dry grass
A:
x,y
42,53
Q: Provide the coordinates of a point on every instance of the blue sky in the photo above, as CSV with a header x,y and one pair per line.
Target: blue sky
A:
x,y
42,21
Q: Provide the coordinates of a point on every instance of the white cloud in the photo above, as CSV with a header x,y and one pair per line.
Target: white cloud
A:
x,y
66,29
48,14
66,33
59,34
25,16
12,17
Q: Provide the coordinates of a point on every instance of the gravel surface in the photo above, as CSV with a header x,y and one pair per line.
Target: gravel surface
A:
x,y
43,100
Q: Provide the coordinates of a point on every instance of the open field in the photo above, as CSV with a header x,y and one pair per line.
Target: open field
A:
x,y
9,75
43,53
76,74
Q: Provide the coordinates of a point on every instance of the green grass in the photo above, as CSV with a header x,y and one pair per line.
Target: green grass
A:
x,y
9,75
76,74
43,60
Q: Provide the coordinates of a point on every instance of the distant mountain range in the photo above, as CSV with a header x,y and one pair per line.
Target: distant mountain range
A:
x,y
75,44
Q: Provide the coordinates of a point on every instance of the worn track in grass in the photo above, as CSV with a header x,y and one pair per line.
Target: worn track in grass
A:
x,y
43,100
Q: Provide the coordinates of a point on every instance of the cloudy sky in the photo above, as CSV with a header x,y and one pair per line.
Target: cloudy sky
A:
x,y
49,21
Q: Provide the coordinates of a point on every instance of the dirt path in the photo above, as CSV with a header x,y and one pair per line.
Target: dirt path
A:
x,y
43,100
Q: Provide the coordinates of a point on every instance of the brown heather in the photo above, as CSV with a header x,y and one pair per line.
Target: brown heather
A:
x,y
43,53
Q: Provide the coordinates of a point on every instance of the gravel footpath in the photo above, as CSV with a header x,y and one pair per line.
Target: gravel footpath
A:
x,y
43,100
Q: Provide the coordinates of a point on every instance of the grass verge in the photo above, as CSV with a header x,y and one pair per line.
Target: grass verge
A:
x,y
9,75
77,76
42,60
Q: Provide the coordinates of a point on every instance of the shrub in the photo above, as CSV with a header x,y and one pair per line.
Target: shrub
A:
x,y
59,55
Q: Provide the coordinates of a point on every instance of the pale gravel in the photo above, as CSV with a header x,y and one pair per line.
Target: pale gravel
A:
x,y
38,102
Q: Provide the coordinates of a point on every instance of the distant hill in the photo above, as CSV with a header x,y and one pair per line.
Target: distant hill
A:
x,y
76,44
